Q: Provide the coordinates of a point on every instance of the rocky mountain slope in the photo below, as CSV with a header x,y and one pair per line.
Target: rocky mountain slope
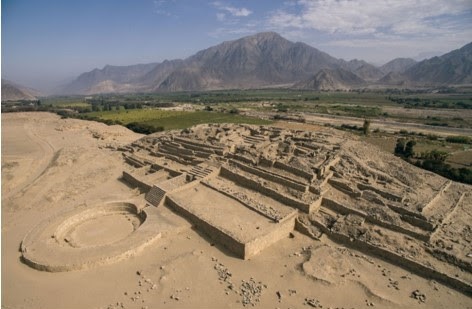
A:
x,y
454,67
326,79
397,65
269,60
109,79
13,92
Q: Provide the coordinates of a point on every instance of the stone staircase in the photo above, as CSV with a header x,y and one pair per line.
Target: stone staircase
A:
x,y
253,139
200,172
155,195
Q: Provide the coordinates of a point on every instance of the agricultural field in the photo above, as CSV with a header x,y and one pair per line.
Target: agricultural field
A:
x,y
170,120
448,109
460,154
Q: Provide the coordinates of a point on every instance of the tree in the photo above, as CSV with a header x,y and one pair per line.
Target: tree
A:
x,y
400,147
409,152
366,127
436,155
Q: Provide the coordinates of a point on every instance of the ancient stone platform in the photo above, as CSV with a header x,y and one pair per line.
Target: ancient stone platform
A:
x,y
244,186
247,187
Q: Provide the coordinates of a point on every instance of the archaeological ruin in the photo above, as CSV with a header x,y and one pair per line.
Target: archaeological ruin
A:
x,y
246,187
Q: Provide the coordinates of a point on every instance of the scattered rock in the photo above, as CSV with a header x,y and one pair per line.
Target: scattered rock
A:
x,y
279,295
251,292
416,294
312,302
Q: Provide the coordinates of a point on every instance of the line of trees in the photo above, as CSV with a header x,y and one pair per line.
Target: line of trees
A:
x,y
433,161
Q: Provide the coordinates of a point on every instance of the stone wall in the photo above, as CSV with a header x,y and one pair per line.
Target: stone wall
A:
x,y
135,182
271,176
254,185
385,194
293,170
255,246
344,210
218,235
397,259
332,160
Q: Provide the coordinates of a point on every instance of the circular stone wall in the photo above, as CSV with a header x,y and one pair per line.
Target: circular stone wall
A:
x,y
79,239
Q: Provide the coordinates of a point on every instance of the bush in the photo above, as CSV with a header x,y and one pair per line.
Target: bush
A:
x,y
366,127
400,147
143,128
459,139
458,174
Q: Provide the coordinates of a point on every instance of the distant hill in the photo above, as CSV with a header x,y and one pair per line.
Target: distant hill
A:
x,y
397,65
269,60
454,67
328,79
368,72
109,79
14,92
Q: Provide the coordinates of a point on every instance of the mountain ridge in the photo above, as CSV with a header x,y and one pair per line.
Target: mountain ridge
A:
x,y
268,60
12,91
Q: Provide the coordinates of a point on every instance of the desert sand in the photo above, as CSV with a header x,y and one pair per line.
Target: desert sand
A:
x,y
96,216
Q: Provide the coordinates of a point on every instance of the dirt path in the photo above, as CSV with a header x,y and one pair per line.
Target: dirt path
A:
x,y
30,155
46,159
382,124
386,125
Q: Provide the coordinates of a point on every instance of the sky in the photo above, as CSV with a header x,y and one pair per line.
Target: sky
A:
x,y
47,42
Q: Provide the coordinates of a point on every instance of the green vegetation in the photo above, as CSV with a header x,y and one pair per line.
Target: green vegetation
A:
x,y
404,148
416,102
153,120
366,127
147,113
433,160
393,104
459,139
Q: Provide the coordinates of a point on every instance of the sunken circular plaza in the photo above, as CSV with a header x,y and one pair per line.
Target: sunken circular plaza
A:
x,y
84,238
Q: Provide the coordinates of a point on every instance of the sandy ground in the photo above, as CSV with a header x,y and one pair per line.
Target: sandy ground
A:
x,y
51,165
381,124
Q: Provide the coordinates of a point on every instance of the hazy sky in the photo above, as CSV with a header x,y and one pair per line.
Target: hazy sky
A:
x,y
45,42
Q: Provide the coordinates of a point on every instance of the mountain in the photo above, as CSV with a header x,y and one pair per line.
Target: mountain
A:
x,y
14,92
397,65
269,60
264,59
363,69
454,67
329,79
394,79
109,79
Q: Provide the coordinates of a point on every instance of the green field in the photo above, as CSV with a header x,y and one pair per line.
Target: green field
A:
x,y
447,108
171,120
460,154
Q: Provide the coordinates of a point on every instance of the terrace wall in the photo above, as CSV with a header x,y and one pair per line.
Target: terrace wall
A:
x,y
135,182
254,185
